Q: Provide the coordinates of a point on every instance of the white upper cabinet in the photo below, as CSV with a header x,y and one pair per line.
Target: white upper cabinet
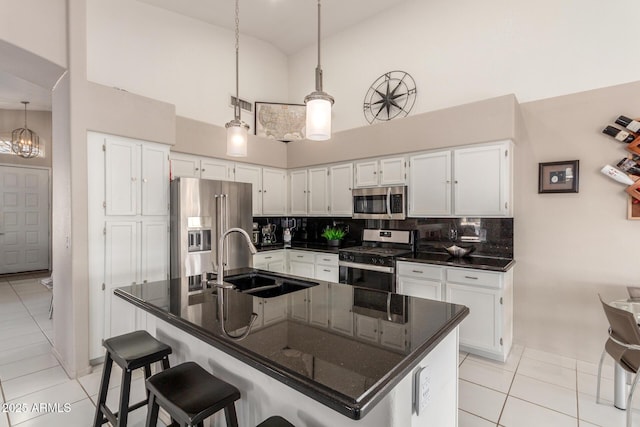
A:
x,y
482,180
340,186
184,165
191,166
318,191
298,192
216,169
430,184
387,171
472,181
136,178
274,191
252,175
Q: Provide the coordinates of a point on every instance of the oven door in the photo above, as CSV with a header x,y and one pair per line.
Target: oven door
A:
x,y
368,276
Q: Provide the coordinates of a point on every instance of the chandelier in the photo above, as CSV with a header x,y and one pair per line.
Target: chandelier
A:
x,y
25,142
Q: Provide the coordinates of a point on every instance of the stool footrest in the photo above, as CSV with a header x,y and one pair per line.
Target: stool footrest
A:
x,y
112,417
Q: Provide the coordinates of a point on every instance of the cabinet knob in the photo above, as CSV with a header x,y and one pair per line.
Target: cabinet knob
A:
x,y
455,182
134,179
264,191
259,191
203,169
144,180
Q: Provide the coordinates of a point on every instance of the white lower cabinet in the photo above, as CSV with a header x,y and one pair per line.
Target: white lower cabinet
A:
x,y
488,330
389,334
269,310
270,261
341,316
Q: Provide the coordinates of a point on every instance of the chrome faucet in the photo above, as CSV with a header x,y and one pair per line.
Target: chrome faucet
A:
x,y
222,287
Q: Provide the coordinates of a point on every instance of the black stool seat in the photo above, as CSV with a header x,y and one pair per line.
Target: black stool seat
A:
x,y
275,421
135,350
190,394
130,351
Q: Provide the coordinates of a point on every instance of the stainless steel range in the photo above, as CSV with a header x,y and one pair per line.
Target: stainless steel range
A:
x,y
372,265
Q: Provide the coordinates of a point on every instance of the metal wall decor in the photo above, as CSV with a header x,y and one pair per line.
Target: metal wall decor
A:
x,y
25,142
392,95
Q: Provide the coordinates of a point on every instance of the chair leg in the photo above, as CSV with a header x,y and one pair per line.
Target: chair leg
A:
x,y
123,411
599,376
104,388
230,415
630,398
152,412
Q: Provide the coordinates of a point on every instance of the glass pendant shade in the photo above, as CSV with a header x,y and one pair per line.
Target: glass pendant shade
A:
x,y
318,123
237,136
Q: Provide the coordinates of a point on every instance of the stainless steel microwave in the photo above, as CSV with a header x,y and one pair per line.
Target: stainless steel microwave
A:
x,y
380,203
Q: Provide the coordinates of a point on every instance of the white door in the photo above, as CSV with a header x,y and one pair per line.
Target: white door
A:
x,y
184,165
302,269
342,309
341,182
481,180
319,309
122,170
298,192
392,171
430,184
421,288
274,192
155,175
318,197
154,251
24,219
252,175
366,174
366,327
299,305
216,169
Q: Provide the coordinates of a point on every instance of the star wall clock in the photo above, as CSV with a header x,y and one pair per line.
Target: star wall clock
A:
x,y
391,95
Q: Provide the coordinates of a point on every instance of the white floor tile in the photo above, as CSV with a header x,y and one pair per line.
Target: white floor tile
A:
x,y
27,327
80,414
518,413
480,401
24,340
603,414
24,314
543,356
592,368
31,383
548,372
138,393
545,394
466,419
461,356
511,364
91,382
486,375
27,366
20,353
67,392
585,424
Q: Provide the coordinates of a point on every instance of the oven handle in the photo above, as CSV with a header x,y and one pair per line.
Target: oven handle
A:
x,y
389,307
389,202
370,267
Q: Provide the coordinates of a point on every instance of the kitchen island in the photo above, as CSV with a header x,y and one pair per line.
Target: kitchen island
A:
x,y
317,356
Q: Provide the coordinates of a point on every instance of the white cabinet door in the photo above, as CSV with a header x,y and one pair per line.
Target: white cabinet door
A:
x,y
298,192
216,169
318,194
481,329
366,174
342,309
154,251
302,269
122,174
421,288
393,335
252,175
276,266
340,183
274,192
481,184
329,273
366,327
392,171
154,179
184,165
274,309
319,308
299,306
430,184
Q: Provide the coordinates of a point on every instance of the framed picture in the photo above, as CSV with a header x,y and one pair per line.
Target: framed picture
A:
x,y
284,122
558,177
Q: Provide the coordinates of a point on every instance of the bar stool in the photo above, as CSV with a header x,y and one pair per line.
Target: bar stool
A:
x,y
130,351
190,395
275,421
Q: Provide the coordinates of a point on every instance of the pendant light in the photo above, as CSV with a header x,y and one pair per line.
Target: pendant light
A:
x,y
318,124
25,142
237,130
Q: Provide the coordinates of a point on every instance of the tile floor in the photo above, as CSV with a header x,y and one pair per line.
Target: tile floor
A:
x,y
533,388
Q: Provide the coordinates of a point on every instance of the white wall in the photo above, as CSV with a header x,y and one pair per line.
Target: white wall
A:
x,y
462,51
162,55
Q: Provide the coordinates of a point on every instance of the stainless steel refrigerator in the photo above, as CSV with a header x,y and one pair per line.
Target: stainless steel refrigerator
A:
x,y
202,209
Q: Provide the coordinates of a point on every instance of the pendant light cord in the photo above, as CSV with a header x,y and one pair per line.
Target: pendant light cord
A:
x,y
237,106
318,68
25,113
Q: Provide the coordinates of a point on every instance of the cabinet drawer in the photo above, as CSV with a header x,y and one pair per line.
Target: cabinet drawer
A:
x,y
302,256
474,277
424,271
327,259
270,256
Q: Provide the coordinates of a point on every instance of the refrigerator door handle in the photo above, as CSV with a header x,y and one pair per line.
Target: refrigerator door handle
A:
x,y
226,225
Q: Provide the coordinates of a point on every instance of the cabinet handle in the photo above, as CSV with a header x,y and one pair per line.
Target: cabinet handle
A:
x,y
328,271
470,277
300,256
417,271
268,257
325,259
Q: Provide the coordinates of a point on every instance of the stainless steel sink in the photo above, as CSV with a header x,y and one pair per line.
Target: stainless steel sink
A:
x,y
267,285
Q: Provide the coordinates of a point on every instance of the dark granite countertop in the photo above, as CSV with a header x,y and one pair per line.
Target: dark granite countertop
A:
x,y
314,247
475,261
358,373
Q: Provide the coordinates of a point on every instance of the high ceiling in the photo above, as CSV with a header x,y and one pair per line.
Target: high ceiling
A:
x,y
290,25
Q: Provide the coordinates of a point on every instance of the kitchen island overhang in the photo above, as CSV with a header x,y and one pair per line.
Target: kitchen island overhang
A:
x,y
321,363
